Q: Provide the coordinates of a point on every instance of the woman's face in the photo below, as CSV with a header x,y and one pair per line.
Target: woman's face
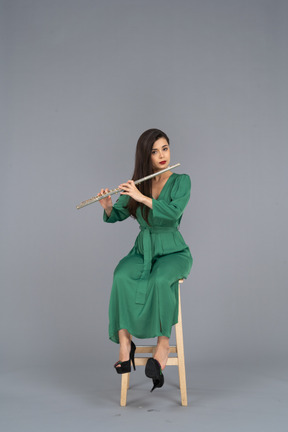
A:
x,y
160,154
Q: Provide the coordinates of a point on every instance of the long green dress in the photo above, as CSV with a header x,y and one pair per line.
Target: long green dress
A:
x,y
144,295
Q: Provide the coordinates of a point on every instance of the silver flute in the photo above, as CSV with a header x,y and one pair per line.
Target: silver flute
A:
x,y
117,190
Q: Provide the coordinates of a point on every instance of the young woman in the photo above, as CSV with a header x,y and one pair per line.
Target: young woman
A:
x,y
144,296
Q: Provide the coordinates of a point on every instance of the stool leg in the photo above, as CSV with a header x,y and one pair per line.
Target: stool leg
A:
x,y
181,359
128,381
124,387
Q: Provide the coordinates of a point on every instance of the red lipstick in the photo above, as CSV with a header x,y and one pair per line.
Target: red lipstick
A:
x,y
163,162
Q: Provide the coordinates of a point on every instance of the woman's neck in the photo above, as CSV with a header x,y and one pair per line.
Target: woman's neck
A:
x,y
161,177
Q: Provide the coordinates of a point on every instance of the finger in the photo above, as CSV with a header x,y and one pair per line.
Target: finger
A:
x,y
107,191
124,186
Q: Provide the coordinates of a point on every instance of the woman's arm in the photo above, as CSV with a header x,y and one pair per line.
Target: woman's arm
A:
x,y
130,189
173,210
180,195
114,213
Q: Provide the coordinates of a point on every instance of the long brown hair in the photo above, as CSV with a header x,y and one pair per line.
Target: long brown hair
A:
x,y
143,167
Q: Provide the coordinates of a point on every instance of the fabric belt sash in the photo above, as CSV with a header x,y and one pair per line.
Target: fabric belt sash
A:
x,y
142,284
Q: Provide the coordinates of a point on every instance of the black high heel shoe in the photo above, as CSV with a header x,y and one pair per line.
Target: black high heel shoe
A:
x,y
153,370
125,366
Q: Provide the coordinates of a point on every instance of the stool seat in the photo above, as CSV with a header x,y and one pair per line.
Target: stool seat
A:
x,y
176,360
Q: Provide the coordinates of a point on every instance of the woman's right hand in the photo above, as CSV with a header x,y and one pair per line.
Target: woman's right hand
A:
x,y
106,203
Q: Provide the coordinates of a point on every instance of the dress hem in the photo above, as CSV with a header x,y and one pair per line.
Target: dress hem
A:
x,y
163,333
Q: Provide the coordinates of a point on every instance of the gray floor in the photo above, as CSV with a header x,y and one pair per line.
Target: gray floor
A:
x,y
221,398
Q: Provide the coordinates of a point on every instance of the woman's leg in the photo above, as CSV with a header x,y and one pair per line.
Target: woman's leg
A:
x,y
167,270
125,345
162,351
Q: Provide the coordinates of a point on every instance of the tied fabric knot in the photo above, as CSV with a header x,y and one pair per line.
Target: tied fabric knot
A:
x,y
142,283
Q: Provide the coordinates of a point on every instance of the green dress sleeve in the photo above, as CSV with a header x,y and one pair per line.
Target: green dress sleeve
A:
x,y
180,194
119,212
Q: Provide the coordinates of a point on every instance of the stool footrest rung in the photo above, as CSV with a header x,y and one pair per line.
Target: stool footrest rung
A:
x,y
141,361
149,349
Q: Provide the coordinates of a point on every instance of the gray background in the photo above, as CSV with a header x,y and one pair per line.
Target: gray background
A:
x,y
80,81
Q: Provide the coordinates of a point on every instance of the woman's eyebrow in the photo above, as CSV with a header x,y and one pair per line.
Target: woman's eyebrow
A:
x,y
165,145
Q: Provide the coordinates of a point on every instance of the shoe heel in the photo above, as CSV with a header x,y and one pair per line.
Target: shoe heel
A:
x,y
132,354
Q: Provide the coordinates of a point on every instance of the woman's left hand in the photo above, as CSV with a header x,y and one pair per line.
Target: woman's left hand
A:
x,y
130,189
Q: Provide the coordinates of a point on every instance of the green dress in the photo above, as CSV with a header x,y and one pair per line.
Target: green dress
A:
x,y
144,295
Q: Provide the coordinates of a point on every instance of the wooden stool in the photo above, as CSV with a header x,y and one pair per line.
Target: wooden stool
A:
x,y
177,360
